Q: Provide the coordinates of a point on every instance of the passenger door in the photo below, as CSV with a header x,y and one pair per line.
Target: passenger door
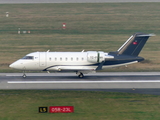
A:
x,y
42,59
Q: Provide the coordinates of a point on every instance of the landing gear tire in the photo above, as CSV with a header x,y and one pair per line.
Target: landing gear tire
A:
x,y
24,76
81,75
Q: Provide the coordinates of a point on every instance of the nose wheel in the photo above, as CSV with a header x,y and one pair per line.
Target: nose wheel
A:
x,y
24,75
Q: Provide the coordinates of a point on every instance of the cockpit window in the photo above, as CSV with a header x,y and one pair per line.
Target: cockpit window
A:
x,y
28,57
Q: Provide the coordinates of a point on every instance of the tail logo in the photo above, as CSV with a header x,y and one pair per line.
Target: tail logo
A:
x,y
135,43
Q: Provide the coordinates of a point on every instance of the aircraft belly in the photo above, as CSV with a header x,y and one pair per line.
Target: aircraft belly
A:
x,y
117,65
72,68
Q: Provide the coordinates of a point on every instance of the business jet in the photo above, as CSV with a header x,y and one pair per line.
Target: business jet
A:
x,y
84,62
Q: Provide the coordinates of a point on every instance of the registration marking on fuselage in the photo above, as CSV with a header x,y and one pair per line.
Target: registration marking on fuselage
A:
x,y
59,82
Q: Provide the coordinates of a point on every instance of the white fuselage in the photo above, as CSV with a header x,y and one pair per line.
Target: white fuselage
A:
x,y
61,61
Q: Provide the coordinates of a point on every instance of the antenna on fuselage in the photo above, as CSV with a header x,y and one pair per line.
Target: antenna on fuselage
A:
x,y
48,50
82,50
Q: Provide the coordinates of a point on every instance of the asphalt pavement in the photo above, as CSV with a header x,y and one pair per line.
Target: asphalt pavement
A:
x,y
132,82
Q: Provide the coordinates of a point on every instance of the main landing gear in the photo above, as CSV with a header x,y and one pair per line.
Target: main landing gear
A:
x,y
80,74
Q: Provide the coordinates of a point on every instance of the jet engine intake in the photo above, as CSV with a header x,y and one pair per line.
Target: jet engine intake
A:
x,y
95,56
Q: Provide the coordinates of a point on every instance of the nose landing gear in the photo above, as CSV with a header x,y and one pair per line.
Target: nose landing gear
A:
x,y
24,75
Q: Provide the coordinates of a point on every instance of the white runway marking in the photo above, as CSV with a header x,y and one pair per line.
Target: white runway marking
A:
x,y
58,82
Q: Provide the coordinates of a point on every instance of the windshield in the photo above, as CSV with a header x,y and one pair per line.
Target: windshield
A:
x,y
28,57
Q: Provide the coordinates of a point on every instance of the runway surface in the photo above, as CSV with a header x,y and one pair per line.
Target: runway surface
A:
x,y
71,1
134,82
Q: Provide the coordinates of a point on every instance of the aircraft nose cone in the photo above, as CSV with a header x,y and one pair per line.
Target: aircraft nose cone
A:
x,y
17,65
11,65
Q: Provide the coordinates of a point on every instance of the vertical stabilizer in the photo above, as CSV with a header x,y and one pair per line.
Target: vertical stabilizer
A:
x,y
134,44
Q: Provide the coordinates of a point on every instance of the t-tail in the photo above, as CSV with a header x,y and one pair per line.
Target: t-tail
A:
x,y
134,44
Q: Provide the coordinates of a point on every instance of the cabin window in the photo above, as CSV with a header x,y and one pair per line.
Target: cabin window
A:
x,y
55,59
66,59
71,59
60,59
82,59
28,58
77,58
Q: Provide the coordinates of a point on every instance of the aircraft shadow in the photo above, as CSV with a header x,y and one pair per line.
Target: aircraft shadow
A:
x,y
87,77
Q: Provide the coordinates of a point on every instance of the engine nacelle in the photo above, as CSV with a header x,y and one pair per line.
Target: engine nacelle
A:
x,y
95,56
